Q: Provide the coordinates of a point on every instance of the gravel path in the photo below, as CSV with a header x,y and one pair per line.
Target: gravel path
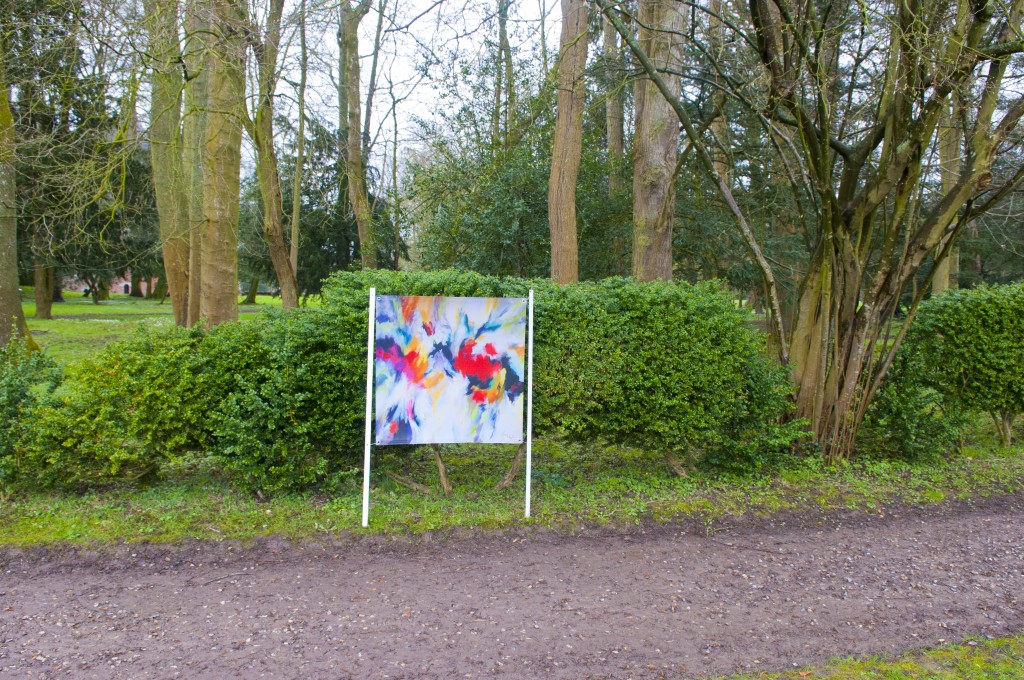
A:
x,y
653,602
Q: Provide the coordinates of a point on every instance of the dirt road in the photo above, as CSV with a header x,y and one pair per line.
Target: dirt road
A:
x,y
652,602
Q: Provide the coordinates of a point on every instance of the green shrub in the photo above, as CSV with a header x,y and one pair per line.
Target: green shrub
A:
x,y
122,414
665,366
24,379
968,345
294,418
908,420
277,402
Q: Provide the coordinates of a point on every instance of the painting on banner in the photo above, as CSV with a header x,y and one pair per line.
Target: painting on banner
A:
x,y
449,370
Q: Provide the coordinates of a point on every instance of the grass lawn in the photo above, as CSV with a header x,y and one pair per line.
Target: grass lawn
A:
x,y
80,327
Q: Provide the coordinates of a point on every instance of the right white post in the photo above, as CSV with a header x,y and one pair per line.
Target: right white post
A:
x,y
529,401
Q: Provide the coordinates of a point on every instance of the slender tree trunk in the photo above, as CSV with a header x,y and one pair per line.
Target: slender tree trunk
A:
x,y
355,170
442,471
222,164
166,149
947,271
720,125
193,134
43,278
656,145
568,143
261,131
371,84
12,318
300,150
614,107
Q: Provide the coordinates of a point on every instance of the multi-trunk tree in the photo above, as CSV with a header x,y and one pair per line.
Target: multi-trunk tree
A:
x,y
851,96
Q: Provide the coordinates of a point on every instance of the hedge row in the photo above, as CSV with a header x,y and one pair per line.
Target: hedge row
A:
x,y
278,402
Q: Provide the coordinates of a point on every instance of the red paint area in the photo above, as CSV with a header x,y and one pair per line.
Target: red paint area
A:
x,y
428,327
489,348
475,366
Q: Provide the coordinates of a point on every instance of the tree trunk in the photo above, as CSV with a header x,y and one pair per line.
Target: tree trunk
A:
x,y
351,16
250,298
136,286
1004,426
160,290
12,318
567,147
222,164
165,148
261,131
517,464
193,134
442,471
947,271
43,280
300,150
656,145
614,107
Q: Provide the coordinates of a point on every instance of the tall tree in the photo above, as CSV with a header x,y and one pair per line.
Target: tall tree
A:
x,y
12,319
656,142
165,147
949,143
260,127
614,104
222,146
351,15
566,148
300,152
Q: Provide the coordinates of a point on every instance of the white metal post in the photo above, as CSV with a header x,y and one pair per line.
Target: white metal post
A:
x,y
529,401
369,407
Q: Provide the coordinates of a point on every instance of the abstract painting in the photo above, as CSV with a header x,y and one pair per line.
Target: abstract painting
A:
x,y
449,369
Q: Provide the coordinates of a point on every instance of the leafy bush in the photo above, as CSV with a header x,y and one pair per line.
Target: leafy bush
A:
x,y
277,402
122,414
294,417
259,398
968,346
24,378
908,420
670,367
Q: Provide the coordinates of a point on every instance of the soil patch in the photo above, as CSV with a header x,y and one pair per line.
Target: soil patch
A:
x,y
652,601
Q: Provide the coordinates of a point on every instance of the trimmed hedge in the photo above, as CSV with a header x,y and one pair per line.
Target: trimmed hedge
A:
x,y
277,402
968,346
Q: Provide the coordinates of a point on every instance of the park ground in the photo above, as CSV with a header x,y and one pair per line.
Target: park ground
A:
x,y
902,571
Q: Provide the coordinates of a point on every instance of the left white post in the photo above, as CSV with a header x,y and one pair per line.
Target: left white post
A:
x,y
369,407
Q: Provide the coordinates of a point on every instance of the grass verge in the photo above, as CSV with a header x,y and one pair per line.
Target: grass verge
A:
x,y
574,487
1001,659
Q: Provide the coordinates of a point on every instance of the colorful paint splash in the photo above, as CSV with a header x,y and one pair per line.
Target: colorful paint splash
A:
x,y
449,370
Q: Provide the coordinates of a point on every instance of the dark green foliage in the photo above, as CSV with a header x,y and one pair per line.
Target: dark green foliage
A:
x,y
277,403
968,346
670,367
260,399
908,420
293,417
